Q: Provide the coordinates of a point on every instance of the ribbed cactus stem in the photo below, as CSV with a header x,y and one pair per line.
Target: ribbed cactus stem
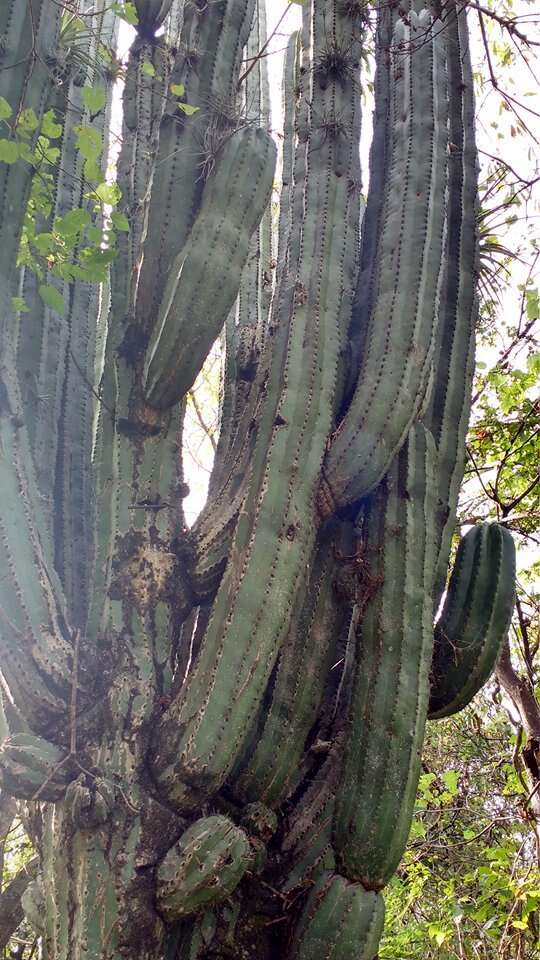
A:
x,y
29,38
205,277
34,636
475,618
448,413
207,66
307,842
204,867
398,346
65,405
376,795
33,769
150,15
340,920
290,95
276,528
271,769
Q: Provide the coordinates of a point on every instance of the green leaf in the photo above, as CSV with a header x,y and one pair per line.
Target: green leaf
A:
x,y
5,109
532,301
520,924
108,193
178,89
73,222
149,69
89,142
120,221
49,127
450,779
187,109
27,120
10,151
94,98
93,172
44,243
127,12
52,298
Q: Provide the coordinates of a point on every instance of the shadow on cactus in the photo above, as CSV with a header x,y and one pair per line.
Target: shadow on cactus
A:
x,y
218,729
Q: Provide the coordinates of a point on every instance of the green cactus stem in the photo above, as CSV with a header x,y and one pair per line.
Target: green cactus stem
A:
x,y
205,278
150,15
399,341
31,768
448,413
35,639
270,771
204,867
475,618
207,67
340,920
307,842
376,795
204,731
27,56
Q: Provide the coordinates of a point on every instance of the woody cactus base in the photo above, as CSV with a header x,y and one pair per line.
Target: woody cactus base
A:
x,y
217,731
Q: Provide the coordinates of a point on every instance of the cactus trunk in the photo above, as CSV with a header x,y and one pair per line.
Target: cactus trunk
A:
x,y
218,730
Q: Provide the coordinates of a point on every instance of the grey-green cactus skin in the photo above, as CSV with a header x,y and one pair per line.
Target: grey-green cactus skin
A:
x,y
204,867
475,618
27,57
399,338
204,279
219,727
340,920
376,795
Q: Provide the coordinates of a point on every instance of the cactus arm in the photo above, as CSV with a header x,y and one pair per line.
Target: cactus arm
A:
x,y
63,430
204,730
340,920
271,772
244,335
307,843
12,908
255,292
34,636
475,618
144,101
205,278
376,795
174,23
378,176
208,68
137,451
399,346
32,768
448,413
28,49
150,15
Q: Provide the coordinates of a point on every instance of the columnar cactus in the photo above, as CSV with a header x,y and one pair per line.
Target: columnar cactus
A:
x,y
218,730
